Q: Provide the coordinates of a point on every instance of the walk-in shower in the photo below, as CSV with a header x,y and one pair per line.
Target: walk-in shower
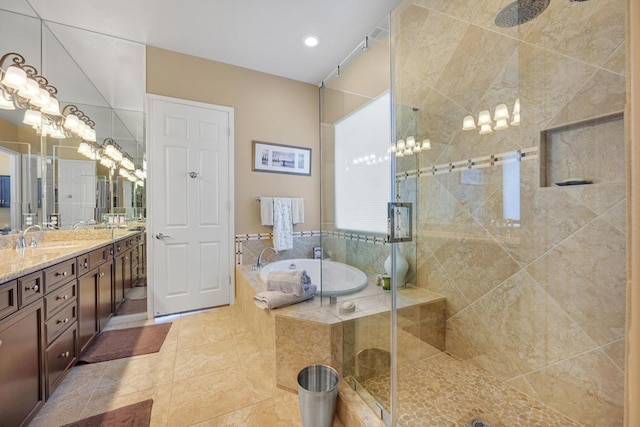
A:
x,y
514,308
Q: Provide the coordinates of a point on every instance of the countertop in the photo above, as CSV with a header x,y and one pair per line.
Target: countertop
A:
x,y
54,247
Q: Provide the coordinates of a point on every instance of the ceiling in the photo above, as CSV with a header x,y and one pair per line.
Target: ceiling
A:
x,y
256,34
93,51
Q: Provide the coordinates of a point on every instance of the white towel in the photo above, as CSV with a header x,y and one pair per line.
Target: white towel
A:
x,y
282,224
266,210
290,281
297,209
269,300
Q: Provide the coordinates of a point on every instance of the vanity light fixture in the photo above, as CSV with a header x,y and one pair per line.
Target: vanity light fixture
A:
x,y
78,123
500,117
112,150
24,87
410,146
127,162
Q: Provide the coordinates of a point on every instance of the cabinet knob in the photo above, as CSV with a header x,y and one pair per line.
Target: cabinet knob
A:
x,y
64,273
63,321
126,257
101,274
62,297
65,354
0,343
86,264
34,288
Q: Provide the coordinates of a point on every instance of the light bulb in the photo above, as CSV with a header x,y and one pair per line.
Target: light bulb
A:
x,y
15,78
411,142
468,123
516,120
71,122
32,118
516,107
501,124
484,118
485,129
426,144
399,153
501,112
53,107
30,90
400,145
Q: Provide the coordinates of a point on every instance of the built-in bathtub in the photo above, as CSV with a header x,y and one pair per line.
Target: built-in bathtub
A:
x,y
336,279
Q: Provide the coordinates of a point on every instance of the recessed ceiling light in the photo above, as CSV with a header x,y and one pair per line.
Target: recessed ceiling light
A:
x,y
311,41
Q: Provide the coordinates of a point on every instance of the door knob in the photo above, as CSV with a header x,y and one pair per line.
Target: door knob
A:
x,y
161,236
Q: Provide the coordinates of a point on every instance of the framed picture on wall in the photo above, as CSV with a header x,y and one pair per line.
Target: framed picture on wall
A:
x,y
278,158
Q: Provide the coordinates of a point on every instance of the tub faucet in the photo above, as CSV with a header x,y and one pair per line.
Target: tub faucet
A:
x,y
259,263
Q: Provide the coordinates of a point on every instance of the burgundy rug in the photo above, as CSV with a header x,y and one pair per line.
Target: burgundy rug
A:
x,y
132,306
120,343
136,415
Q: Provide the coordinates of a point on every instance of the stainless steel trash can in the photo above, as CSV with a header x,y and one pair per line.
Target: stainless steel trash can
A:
x,y
317,394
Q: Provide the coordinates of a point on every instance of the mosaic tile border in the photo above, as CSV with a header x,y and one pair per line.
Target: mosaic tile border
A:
x,y
476,163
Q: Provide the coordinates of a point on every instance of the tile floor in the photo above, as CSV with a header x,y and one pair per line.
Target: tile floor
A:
x,y
444,391
209,372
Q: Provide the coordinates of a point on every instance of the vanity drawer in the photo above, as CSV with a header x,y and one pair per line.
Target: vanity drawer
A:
x,y
30,288
59,322
99,257
120,246
59,274
54,301
59,357
8,298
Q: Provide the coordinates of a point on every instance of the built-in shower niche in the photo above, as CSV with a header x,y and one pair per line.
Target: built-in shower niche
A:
x,y
588,151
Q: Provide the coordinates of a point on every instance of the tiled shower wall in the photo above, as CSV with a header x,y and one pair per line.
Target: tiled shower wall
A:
x,y
539,300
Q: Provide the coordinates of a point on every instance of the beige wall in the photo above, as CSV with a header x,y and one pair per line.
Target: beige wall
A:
x,y
267,108
8,131
633,300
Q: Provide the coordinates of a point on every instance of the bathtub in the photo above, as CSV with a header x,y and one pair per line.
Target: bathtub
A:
x,y
337,278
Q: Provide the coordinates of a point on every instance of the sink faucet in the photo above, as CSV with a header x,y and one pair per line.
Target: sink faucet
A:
x,y
259,263
79,225
21,243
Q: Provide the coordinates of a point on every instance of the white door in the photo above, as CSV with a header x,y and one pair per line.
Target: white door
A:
x,y
190,197
76,191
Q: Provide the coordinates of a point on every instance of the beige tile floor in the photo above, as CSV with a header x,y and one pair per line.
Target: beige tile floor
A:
x,y
209,372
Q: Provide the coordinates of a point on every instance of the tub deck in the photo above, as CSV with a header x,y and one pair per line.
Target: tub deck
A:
x,y
317,332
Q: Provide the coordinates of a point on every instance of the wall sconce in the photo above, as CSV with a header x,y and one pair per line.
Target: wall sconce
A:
x,y
500,117
410,147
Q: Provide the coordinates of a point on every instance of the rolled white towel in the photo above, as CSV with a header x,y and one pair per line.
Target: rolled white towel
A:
x,y
290,281
270,300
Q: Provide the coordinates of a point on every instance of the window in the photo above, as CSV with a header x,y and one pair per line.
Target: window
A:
x,y
362,167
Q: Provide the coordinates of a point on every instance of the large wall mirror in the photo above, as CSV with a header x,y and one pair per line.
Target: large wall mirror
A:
x,y
49,175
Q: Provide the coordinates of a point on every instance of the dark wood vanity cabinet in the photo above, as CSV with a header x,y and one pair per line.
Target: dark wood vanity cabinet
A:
x,y
48,317
95,296
123,278
21,365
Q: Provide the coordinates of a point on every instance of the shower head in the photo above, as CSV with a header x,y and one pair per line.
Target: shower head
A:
x,y
521,11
